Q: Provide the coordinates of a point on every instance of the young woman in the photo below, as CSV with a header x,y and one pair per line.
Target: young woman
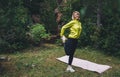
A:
x,y
70,43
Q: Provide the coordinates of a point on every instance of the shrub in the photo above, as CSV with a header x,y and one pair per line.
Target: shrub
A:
x,y
38,33
3,45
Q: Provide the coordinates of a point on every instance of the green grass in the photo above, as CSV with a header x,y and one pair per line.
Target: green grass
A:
x,y
41,62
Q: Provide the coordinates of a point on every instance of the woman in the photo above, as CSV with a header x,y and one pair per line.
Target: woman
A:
x,y
71,42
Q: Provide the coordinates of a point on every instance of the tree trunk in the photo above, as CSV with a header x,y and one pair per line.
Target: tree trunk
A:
x,y
99,13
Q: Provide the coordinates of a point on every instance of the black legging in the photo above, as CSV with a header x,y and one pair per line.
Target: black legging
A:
x,y
70,46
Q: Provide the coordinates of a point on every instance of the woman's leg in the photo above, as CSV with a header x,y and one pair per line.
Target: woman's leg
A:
x,y
72,50
70,46
66,47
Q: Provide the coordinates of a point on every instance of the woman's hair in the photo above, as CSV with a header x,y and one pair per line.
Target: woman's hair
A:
x,y
74,13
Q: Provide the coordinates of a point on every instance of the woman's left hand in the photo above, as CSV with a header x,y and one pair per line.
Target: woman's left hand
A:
x,y
63,39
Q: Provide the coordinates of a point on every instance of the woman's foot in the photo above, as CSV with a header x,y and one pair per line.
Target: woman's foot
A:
x,y
70,69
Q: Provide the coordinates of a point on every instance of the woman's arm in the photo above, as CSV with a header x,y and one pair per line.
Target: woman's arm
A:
x,y
68,25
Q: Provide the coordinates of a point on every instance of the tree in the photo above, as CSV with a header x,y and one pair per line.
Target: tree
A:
x,y
99,12
12,29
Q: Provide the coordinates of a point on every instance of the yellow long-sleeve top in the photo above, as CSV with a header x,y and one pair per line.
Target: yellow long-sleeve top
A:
x,y
75,29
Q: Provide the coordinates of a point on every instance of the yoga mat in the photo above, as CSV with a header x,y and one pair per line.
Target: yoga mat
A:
x,y
85,64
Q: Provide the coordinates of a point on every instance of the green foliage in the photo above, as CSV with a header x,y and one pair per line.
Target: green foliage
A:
x,y
58,42
95,36
106,36
44,8
110,40
14,18
12,30
66,11
4,45
88,29
38,33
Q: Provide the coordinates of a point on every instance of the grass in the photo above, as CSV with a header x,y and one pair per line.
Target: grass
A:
x,y
41,62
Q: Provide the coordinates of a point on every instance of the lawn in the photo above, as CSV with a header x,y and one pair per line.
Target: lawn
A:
x,y
41,62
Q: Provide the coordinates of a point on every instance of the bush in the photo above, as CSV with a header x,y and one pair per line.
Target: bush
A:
x,y
87,31
38,33
12,28
110,40
4,46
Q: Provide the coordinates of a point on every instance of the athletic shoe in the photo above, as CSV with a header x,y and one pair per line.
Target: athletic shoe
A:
x,y
70,69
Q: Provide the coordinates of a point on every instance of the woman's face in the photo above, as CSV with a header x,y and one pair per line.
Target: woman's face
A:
x,y
76,16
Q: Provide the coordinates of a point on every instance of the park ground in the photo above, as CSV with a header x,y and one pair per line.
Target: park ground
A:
x,y
41,62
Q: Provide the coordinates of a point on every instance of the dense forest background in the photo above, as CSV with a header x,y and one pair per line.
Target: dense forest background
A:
x,y
100,21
